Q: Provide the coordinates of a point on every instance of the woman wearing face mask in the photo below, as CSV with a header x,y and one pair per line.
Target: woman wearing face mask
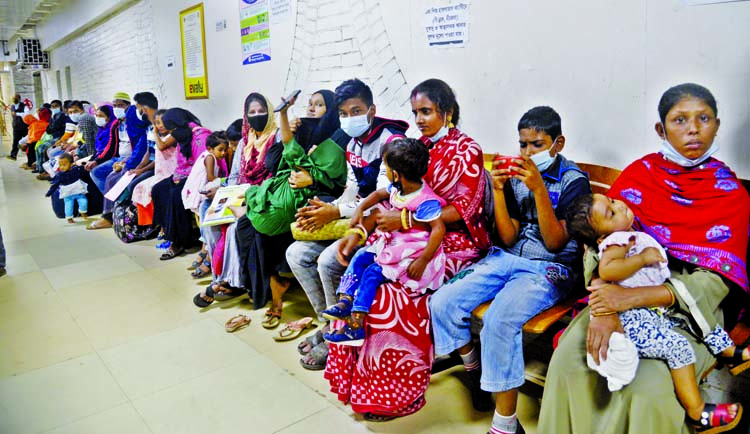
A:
x,y
694,206
106,139
169,211
399,317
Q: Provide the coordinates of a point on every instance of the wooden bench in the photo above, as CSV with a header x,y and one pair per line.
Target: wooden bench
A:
x,y
601,178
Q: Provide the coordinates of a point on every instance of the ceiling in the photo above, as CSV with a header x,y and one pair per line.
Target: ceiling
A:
x,y
23,16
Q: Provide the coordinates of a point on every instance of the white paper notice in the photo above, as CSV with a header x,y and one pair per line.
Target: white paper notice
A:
x,y
193,33
281,10
447,26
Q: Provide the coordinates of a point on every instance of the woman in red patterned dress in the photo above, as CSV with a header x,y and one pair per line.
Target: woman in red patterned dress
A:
x,y
388,375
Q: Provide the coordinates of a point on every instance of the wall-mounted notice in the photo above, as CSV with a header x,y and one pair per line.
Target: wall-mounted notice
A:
x,y
448,25
255,31
281,10
195,75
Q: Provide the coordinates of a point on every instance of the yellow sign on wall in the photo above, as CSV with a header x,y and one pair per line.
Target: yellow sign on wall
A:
x,y
193,37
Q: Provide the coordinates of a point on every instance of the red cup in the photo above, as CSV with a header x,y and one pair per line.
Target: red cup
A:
x,y
505,162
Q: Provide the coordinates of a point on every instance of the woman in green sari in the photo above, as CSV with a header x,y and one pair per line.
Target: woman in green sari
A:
x,y
312,164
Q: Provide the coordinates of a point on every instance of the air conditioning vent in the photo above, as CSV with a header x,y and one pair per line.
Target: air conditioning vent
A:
x,y
30,54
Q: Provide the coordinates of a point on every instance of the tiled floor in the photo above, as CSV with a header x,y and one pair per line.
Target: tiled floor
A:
x,y
97,336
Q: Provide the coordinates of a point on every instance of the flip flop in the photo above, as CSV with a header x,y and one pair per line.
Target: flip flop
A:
x,y
99,224
316,359
237,322
171,254
272,319
294,329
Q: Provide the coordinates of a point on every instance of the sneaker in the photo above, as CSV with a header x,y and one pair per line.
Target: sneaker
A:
x,y
349,336
335,312
480,399
11,158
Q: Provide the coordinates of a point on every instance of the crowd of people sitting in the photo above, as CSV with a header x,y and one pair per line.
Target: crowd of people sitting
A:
x,y
396,240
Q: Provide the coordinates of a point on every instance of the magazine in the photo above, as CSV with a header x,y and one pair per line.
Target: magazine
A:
x,y
220,211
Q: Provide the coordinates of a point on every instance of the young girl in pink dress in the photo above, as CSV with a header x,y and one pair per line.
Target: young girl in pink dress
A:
x,y
206,168
413,256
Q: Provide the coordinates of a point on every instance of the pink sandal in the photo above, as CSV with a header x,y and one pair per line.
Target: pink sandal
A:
x,y
294,329
715,418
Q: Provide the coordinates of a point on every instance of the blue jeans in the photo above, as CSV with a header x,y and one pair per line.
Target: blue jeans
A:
x,y
83,204
315,266
99,174
521,288
361,280
202,214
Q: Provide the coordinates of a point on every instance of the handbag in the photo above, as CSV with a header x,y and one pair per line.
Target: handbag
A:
x,y
330,231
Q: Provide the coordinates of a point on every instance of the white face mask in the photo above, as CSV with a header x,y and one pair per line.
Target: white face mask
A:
x,y
101,122
671,154
119,112
75,117
544,159
355,126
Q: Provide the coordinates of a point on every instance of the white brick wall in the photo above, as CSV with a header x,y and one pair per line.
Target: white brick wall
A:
x,y
117,55
329,49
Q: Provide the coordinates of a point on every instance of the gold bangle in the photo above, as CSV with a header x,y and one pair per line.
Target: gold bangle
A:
x,y
672,301
363,229
405,219
357,231
604,314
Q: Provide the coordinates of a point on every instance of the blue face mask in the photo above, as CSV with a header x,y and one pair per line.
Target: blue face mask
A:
x,y
544,159
55,111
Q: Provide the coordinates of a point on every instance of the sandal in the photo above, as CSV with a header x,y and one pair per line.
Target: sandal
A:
x,y
734,362
237,322
218,294
272,318
171,254
197,263
164,245
99,224
200,273
294,329
311,341
715,419
340,310
316,359
372,417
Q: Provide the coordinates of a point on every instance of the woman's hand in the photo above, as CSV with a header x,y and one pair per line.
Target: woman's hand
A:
x,y
347,248
316,215
293,125
600,329
300,178
238,211
118,166
606,298
211,192
287,106
90,165
389,221
416,268
529,174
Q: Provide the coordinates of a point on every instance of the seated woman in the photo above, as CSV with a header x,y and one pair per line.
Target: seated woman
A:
x,y
397,353
169,211
256,159
674,195
308,168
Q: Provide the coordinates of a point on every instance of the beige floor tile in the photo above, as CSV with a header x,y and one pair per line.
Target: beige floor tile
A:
x,y
157,362
60,249
327,421
57,395
47,337
24,288
91,271
20,264
119,420
251,395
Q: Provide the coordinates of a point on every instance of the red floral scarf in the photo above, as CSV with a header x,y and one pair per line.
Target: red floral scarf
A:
x,y
456,173
699,214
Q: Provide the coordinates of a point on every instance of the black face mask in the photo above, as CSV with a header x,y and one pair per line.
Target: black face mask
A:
x,y
258,122
182,135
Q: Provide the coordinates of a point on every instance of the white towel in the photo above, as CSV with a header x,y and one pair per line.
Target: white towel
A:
x,y
621,363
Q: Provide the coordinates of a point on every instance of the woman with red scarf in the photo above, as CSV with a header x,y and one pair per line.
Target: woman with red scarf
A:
x,y
695,206
387,377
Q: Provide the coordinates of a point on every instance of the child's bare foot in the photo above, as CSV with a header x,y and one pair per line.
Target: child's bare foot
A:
x,y
71,221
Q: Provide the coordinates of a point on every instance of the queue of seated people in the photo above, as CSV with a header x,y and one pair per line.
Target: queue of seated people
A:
x,y
397,240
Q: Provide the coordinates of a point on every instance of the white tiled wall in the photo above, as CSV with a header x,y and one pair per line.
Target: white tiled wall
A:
x,y
117,55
